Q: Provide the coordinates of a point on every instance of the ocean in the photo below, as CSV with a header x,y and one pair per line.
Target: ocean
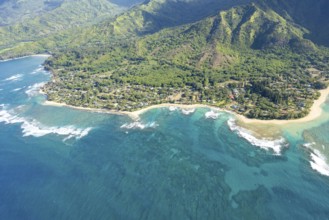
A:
x,y
63,163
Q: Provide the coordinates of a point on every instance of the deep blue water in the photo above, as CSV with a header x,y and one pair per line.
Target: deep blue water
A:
x,y
61,163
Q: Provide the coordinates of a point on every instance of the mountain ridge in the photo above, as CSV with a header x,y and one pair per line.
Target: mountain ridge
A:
x,y
68,14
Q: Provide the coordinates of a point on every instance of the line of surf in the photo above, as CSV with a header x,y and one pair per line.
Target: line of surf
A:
x,y
318,161
31,127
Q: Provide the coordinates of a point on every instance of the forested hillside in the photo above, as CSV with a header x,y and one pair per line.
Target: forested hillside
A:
x,y
263,59
30,21
312,15
13,11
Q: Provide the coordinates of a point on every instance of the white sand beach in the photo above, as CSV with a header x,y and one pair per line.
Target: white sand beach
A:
x,y
315,111
134,115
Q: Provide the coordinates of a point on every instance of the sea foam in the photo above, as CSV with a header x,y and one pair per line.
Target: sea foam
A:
x,y
318,161
16,77
40,70
31,127
267,144
212,114
139,125
172,108
34,89
188,111
16,90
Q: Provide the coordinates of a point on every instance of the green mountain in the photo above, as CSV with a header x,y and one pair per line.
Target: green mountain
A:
x,y
260,58
312,15
12,11
28,21
155,15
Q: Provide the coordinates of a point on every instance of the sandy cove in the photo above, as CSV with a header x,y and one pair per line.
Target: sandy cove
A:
x,y
315,111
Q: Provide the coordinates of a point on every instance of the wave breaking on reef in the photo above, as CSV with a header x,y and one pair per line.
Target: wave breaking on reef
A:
x,y
212,114
275,145
318,161
17,89
31,127
172,108
13,78
188,111
40,70
34,89
139,125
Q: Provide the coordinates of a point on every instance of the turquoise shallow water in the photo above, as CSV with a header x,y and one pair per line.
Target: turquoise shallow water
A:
x,y
60,163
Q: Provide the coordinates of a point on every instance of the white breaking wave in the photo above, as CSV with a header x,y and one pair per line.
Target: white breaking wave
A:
x,y
139,125
172,108
40,70
309,145
14,78
267,144
212,114
36,129
16,90
34,89
188,111
318,162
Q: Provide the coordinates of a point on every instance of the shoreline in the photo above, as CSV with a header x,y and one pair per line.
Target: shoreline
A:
x,y
22,57
57,104
135,115
314,113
